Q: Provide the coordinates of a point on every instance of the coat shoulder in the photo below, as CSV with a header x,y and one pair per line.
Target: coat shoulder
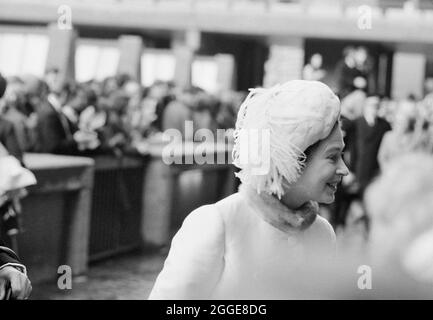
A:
x,y
206,216
216,215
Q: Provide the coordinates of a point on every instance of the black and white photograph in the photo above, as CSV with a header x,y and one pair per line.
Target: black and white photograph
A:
x,y
217,150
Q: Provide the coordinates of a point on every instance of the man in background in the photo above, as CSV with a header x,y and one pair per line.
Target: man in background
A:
x,y
370,129
53,130
7,132
369,132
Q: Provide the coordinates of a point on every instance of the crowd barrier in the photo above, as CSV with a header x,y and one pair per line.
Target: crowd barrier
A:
x,y
56,215
83,210
116,206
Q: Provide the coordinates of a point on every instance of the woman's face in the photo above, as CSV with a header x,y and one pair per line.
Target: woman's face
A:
x,y
323,171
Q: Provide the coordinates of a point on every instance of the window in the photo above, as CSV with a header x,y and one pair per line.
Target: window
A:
x,y
96,60
205,73
22,53
157,65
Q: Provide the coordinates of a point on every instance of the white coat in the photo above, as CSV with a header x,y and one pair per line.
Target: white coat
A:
x,y
246,246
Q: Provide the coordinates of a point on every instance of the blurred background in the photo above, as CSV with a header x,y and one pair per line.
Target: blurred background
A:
x,y
89,87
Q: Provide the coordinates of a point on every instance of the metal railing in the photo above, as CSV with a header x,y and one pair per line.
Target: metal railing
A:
x,y
116,206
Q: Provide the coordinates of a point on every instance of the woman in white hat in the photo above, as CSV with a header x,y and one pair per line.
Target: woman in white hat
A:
x,y
254,243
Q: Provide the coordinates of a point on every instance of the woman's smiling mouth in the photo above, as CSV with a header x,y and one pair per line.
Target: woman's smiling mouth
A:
x,y
333,186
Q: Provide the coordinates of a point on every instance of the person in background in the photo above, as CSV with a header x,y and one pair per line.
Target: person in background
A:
x,y
313,70
403,138
348,75
179,111
205,112
67,95
154,103
114,136
14,283
9,140
83,109
108,86
369,132
428,91
14,111
54,132
229,106
135,117
8,137
52,79
365,79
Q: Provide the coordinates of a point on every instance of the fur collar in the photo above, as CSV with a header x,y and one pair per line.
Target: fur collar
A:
x,y
277,214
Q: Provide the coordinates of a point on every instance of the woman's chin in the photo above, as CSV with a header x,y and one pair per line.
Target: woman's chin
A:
x,y
327,199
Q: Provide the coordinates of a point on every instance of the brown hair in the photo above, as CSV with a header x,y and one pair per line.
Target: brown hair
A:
x,y
310,150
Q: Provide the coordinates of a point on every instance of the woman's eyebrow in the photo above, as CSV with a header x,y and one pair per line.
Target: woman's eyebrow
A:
x,y
336,148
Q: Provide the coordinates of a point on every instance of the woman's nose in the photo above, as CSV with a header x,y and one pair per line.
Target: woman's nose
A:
x,y
342,169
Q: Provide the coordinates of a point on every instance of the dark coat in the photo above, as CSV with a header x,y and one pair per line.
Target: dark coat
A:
x,y
344,77
368,141
9,139
54,132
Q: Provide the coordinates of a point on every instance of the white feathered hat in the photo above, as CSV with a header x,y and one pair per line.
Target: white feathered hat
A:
x,y
293,116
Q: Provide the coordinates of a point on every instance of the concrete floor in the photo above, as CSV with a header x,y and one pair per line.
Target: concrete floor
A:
x,y
129,277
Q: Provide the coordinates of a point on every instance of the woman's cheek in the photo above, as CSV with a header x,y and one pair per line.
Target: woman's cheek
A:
x,y
331,171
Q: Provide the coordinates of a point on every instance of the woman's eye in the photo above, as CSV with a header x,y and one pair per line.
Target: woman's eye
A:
x,y
335,157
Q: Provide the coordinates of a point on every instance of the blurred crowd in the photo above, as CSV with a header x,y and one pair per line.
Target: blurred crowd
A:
x,y
117,115
389,148
377,129
377,132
